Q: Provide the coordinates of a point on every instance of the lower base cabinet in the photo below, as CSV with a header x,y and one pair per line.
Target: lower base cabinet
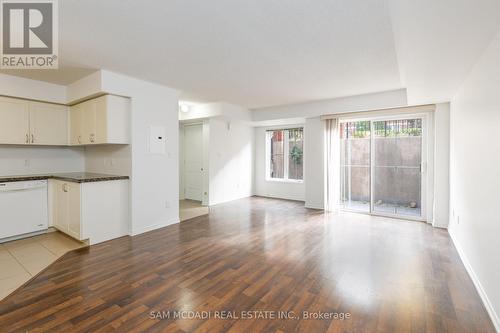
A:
x,y
67,208
94,211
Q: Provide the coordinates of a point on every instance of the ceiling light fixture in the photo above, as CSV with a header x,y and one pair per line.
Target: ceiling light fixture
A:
x,y
184,108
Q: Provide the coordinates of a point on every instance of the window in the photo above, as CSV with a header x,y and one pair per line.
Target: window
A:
x,y
285,154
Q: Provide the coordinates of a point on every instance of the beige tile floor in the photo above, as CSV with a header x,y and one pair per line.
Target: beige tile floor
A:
x,y
190,208
22,259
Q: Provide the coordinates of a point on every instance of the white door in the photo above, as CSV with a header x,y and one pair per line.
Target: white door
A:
x,y
14,121
48,124
193,162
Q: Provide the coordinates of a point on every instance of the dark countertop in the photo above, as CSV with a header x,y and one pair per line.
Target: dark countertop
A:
x,y
75,177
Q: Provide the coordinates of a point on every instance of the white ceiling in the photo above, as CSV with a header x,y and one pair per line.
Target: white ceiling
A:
x,y
259,53
439,41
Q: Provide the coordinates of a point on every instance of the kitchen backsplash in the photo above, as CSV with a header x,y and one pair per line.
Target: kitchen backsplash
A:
x,y
17,160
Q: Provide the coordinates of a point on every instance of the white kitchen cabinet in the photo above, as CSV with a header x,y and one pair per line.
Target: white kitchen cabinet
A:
x,y
91,211
48,124
74,209
27,122
83,123
102,120
89,121
14,121
66,208
57,210
76,125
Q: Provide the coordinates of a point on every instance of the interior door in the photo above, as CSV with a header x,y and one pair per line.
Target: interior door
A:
x,y
193,162
48,124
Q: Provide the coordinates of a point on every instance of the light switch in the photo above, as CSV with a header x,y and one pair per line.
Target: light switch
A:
x,y
157,139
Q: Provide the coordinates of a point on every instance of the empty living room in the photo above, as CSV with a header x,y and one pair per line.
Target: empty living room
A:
x,y
249,166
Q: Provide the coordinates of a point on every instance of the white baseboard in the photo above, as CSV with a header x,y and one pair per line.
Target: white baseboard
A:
x,y
283,197
142,230
477,284
320,207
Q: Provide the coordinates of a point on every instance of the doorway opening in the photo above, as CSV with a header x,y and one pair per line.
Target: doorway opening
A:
x,y
381,166
192,191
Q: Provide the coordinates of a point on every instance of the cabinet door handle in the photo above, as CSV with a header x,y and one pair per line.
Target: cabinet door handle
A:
x,y
27,138
79,139
65,187
92,138
32,138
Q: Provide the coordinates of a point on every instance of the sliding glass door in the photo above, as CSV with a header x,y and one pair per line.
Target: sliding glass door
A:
x,y
355,171
397,160
381,166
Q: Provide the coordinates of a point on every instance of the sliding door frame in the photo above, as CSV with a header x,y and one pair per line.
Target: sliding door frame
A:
x,y
424,188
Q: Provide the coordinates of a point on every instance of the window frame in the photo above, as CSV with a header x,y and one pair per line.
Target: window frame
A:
x,y
286,152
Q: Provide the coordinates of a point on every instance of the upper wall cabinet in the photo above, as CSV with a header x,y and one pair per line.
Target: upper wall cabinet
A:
x,y
34,123
14,121
103,120
48,124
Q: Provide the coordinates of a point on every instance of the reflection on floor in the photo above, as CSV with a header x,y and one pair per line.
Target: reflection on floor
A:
x,y
384,208
22,259
190,208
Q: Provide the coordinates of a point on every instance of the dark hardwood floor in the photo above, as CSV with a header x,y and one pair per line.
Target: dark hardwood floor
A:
x,y
385,275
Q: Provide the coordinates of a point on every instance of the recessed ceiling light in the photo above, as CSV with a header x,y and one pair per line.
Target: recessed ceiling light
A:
x,y
184,108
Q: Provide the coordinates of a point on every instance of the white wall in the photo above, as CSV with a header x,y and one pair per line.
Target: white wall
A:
x,y
88,86
15,86
312,189
474,177
269,188
228,152
181,162
19,160
330,106
441,165
109,159
230,160
154,177
219,109
314,163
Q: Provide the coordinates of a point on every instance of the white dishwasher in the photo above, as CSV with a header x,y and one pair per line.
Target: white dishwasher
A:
x,y
23,208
